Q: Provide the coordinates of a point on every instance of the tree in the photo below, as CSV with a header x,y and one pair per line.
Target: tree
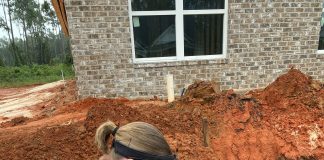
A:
x,y
6,5
4,25
1,62
41,41
20,15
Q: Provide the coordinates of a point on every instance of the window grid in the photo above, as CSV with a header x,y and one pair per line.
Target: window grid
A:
x,y
179,13
179,30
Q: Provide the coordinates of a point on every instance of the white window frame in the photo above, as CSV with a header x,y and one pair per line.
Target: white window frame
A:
x,y
322,50
179,13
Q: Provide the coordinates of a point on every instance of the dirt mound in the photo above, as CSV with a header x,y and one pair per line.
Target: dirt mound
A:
x,y
255,126
120,114
201,90
284,121
292,107
85,104
64,141
65,94
181,127
293,88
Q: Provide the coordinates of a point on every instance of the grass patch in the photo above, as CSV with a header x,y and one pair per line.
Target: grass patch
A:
x,y
36,74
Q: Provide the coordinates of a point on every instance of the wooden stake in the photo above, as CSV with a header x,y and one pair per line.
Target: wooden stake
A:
x,y
205,131
62,75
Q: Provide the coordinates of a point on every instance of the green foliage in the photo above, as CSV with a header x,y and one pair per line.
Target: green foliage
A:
x,y
35,74
1,62
41,41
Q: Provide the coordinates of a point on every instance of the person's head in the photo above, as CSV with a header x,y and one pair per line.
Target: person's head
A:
x,y
137,140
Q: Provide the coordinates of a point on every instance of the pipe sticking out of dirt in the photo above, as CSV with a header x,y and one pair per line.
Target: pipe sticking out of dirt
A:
x,y
170,88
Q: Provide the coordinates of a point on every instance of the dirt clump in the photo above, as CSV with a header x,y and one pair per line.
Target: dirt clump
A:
x,y
201,90
15,122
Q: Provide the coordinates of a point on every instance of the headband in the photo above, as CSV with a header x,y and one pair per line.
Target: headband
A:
x,y
138,155
115,131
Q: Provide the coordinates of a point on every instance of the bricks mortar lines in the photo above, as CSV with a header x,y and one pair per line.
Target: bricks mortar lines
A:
x,y
265,37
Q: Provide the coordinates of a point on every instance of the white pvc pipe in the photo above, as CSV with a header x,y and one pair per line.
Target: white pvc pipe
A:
x,y
170,88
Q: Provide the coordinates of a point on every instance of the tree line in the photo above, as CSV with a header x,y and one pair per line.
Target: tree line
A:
x,y
40,39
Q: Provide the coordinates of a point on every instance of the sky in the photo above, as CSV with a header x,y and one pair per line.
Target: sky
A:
x,y
3,33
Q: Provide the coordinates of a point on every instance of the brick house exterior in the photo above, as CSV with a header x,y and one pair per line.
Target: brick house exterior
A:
x,y
265,38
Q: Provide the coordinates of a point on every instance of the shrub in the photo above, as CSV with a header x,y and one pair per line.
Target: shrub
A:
x,y
35,74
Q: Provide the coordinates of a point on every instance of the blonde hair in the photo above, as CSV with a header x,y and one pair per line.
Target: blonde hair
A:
x,y
139,136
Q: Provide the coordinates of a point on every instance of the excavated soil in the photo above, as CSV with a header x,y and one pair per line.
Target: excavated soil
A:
x,y
283,121
201,90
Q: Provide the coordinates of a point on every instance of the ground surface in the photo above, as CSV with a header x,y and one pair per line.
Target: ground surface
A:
x,y
283,121
21,102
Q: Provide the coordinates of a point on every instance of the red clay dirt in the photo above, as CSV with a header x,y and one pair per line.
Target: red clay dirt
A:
x,y
201,90
283,121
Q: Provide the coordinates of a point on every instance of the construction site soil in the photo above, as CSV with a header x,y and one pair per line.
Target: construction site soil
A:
x,y
283,121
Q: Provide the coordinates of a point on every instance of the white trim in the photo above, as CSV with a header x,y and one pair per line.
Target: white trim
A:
x,y
179,21
209,11
205,57
320,51
225,30
152,13
152,60
179,30
131,28
174,59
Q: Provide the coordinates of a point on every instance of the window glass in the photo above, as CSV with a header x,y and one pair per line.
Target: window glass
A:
x,y
203,35
154,36
203,4
321,40
153,5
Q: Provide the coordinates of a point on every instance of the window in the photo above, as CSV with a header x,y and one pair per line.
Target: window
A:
x,y
173,30
321,39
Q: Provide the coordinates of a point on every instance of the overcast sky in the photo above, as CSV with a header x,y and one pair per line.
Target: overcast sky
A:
x,y
3,33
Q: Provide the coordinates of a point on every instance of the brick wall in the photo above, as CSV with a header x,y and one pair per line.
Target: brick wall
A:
x,y
265,37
